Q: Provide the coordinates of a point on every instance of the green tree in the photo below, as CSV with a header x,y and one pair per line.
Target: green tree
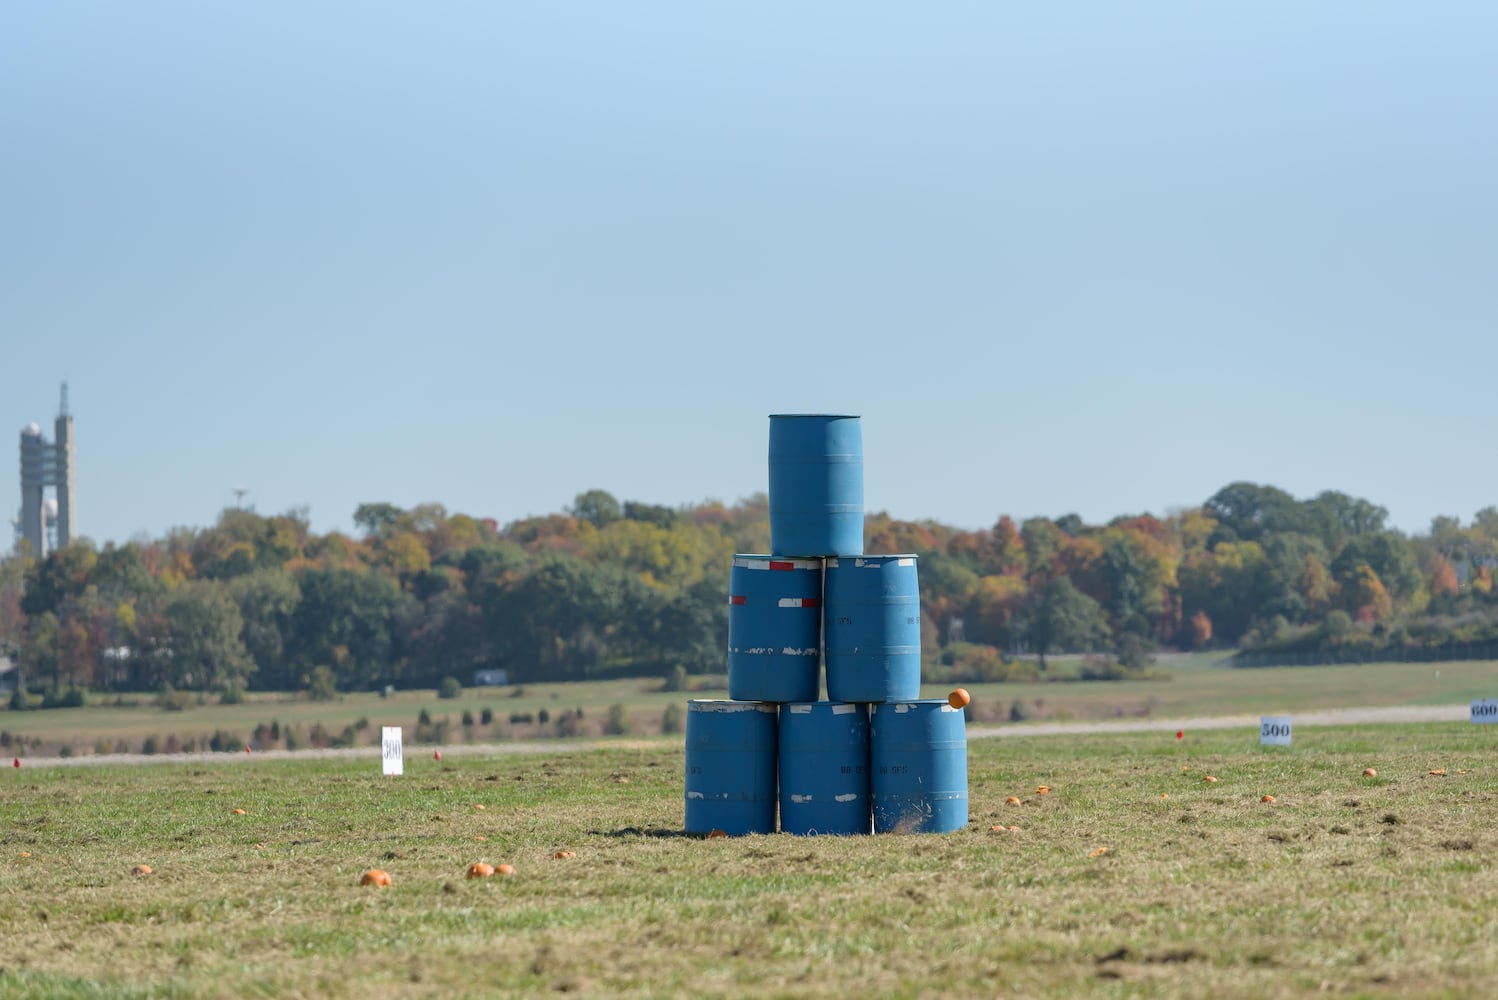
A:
x,y
676,678
39,651
1391,557
207,653
267,603
1134,589
661,517
66,572
1058,616
352,620
404,554
1246,512
1336,516
691,628
597,507
1285,593
1043,541
565,618
322,684
377,519
1230,584
121,572
1070,525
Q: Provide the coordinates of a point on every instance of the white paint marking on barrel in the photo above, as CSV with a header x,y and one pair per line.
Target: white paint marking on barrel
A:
x,y
841,709
719,705
850,797
798,602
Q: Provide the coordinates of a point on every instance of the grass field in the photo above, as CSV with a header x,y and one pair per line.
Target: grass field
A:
x,y
1197,685
1345,884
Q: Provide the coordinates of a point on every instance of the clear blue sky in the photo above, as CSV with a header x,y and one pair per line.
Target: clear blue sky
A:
x,y
1090,257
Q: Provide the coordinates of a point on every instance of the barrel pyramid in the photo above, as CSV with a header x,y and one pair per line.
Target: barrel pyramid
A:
x,y
874,756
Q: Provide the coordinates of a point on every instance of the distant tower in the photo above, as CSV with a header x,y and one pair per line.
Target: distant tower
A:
x,y
67,501
35,461
43,464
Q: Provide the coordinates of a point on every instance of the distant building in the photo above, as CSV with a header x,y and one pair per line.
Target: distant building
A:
x,y
491,678
48,522
10,674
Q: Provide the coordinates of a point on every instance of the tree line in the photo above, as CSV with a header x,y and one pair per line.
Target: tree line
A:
x,y
609,588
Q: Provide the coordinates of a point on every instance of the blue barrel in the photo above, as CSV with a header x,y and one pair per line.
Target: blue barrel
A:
x,y
872,629
824,768
774,629
730,767
918,767
816,485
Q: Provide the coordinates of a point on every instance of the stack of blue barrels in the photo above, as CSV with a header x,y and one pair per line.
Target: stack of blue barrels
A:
x,y
874,755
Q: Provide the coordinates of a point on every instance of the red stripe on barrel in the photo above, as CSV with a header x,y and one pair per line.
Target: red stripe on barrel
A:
x,y
735,599
776,564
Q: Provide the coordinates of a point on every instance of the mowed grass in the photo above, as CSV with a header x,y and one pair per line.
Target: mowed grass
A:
x,y
1203,685
1197,685
140,716
1132,877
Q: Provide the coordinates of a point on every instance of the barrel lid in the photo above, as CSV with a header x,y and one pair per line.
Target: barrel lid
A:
x,y
908,706
725,705
814,416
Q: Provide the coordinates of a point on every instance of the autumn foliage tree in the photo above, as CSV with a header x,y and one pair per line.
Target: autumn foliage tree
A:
x,y
610,588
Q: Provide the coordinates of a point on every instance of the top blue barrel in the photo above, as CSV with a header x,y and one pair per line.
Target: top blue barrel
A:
x,y
816,485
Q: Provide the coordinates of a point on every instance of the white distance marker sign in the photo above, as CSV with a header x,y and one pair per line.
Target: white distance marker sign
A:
x,y
1274,730
390,749
1485,710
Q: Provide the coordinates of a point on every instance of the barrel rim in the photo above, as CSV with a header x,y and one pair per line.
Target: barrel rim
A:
x,y
916,701
816,416
881,555
740,559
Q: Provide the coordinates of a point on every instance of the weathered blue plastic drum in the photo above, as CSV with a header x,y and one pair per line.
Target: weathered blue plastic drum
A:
x,y
872,628
824,769
731,752
816,485
774,629
918,767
